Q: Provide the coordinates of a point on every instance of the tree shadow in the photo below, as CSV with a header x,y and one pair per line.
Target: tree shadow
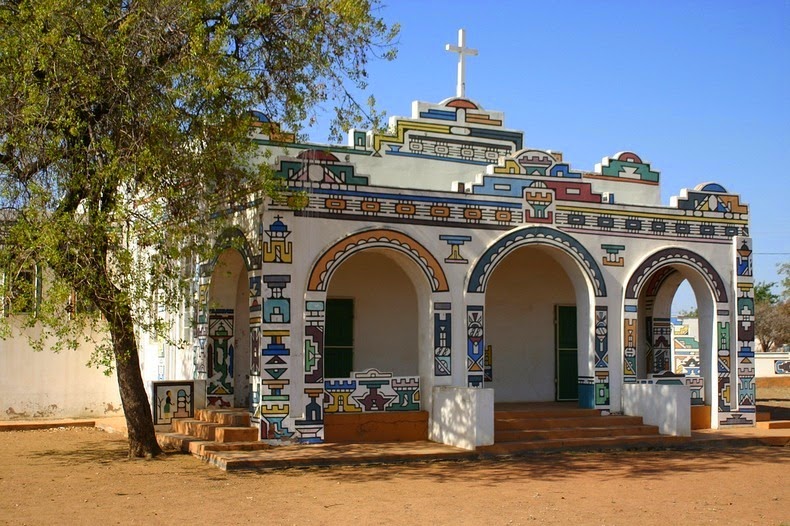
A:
x,y
556,466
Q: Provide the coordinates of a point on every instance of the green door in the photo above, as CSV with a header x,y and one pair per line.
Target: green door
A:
x,y
339,338
567,350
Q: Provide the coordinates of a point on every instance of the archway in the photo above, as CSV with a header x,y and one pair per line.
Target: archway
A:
x,y
229,351
372,315
539,288
648,328
538,326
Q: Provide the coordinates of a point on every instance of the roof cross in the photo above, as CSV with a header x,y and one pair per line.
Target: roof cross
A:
x,y
462,51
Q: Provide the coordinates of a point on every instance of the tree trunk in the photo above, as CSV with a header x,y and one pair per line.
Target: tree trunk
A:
x,y
139,422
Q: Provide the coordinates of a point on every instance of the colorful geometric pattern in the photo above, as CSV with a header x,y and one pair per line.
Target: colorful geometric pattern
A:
x,y
372,391
442,339
474,347
681,256
219,391
532,235
310,429
331,259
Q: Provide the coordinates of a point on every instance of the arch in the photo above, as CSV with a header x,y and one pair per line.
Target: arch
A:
x,y
234,238
478,279
382,238
675,255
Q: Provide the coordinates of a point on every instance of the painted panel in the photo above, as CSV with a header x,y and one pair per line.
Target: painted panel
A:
x,y
173,400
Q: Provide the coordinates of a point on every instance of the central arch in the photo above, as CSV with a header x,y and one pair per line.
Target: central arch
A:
x,y
478,279
539,287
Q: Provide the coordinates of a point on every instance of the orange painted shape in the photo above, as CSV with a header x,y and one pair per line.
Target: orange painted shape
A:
x,y
700,417
389,426
473,213
395,240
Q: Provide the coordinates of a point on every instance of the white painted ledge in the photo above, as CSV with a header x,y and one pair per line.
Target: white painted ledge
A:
x,y
462,416
662,405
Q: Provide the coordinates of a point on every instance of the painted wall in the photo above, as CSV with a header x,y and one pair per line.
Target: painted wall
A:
x,y
520,302
53,385
385,311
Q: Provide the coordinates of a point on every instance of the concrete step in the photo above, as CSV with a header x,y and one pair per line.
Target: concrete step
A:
x,y
763,416
235,434
234,417
628,441
521,435
774,424
185,426
501,424
206,430
546,413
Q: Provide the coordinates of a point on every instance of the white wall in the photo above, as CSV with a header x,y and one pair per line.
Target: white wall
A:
x,y
53,385
519,316
764,363
665,406
385,312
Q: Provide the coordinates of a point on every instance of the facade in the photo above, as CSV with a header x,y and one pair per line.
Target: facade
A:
x,y
447,252
448,256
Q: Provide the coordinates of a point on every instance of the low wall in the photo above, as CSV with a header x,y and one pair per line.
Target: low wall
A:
x,y
462,416
49,385
662,405
769,364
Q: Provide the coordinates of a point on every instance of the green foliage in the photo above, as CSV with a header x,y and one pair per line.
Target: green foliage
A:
x,y
688,313
784,271
763,293
125,126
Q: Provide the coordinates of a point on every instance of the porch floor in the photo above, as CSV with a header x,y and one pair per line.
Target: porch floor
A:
x,y
288,456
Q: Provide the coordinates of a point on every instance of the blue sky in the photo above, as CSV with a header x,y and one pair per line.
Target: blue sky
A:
x,y
700,89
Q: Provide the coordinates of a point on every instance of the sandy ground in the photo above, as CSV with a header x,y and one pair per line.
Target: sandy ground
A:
x,y
81,475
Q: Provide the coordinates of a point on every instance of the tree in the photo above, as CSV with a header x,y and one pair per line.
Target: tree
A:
x,y
772,316
125,123
772,324
763,293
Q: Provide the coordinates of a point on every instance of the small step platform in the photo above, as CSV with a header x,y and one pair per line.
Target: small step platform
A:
x,y
213,430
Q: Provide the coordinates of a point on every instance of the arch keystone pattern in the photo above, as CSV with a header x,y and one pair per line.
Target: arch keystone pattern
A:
x,y
379,238
484,267
680,256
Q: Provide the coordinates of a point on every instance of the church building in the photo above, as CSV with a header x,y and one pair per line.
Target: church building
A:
x,y
446,266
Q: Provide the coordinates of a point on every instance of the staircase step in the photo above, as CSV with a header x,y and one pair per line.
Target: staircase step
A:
x,y
774,424
185,426
206,430
501,424
515,448
236,434
521,435
546,413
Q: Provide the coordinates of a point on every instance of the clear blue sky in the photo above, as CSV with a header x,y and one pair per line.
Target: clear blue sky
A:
x,y
700,89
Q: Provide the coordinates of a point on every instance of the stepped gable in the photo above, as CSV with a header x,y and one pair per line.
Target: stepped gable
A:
x,y
539,175
625,167
265,129
709,197
455,130
318,166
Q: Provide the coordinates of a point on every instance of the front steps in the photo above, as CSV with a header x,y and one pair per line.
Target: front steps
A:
x,y
213,430
523,428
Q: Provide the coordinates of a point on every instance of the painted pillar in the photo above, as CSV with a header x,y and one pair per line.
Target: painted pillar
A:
x,y
601,349
475,344
276,369
201,328
310,429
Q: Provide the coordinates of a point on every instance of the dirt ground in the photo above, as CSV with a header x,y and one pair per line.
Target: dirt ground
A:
x,y
81,475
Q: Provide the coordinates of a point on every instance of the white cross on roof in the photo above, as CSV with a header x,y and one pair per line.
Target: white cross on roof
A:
x,y
462,50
